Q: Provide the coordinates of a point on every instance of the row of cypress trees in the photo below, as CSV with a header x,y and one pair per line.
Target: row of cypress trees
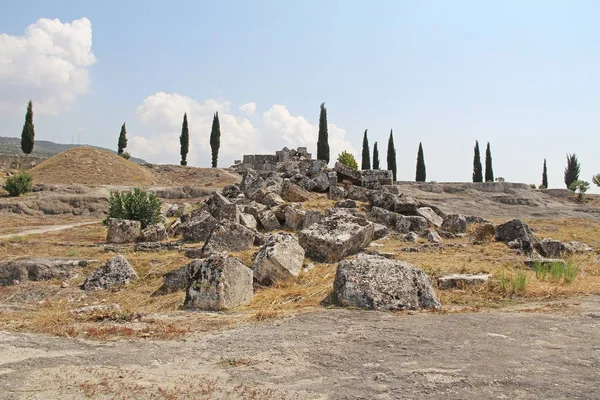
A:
x,y
215,140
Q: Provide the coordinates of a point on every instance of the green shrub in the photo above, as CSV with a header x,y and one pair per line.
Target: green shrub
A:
x,y
596,179
18,184
126,155
499,179
580,187
532,185
137,205
348,160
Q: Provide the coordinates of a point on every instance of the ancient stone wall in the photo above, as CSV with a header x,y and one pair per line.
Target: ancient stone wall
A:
x,y
19,162
268,162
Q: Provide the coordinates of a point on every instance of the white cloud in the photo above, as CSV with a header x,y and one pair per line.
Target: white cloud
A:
x,y
49,65
163,113
249,108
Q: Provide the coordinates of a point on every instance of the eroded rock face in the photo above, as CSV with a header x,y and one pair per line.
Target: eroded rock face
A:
x,y
377,283
455,223
430,215
228,236
514,230
122,230
116,272
153,233
198,227
37,269
336,236
218,283
280,258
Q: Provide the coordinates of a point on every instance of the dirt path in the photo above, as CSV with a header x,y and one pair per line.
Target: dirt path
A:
x,y
328,354
46,229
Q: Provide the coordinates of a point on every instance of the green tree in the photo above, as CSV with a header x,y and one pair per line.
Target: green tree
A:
x,y
477,169
572,170
580,187
489,171
375,157
122,139
544,176
421,174
348,159
366,154
391,155
184,140
215,139
596,179
323,140
28,133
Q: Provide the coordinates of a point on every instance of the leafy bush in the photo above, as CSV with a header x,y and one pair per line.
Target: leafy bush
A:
x,y
596,179
18,184
348,160
137,205
580,187
532,185
126,155
499,179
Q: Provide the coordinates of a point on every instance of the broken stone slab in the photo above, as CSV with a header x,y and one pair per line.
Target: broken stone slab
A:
x,y
316,167
358,193
544,263
379,231
391,202
248,221
156,246
198,227
231,192
293,193
376,178
215,203
336,192
461,281
122,230
294,218
178,210
347,203
272,200
38,269
280,258
153,233
576,247
228,236
304,182
513,230
377,283
336,237
96,308
174,281
455,223
405,224
382,216
551,248
432,236
321,183
430,215
346,173
268,220
116,272
218,283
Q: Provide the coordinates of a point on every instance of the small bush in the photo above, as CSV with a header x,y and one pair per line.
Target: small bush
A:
x,y
556,272
126,155
18,184
348,160
137,205
532,185
580,187
596,179
499,179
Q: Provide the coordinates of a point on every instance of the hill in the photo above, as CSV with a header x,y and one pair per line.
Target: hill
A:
x,y
88,166
46,149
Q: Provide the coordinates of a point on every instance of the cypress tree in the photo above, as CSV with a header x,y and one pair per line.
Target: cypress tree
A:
x,y
323,140
366,154
122,139
477,169
489,171
572,170
391,155
28,133
375,157
215,139
184,140
421,171
545,176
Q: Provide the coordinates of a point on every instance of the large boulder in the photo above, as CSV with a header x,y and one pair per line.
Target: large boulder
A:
x,y
198,227
37,269
357,193
376,178
345,173
293,193
554,248
336,236
405,224
432,236
122,230
321,183
377,283
215,203
179,210
280,258
174,281
484,233
514,230
382,216
218,283
430,216
269,221
153,233
116,272
395,203
336,192
455,223
228,236
248,221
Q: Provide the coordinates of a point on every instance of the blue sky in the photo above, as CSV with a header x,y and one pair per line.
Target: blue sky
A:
x,y
522,75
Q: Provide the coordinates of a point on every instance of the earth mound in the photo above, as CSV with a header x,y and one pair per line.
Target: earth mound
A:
x,y
87,166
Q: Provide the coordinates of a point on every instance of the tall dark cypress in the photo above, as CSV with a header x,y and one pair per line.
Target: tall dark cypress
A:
x,y
477,169
184,140
366,154
572,170
28,133
489,171
375,157
391,155
421,174
215,139
545,176
323,140
122,139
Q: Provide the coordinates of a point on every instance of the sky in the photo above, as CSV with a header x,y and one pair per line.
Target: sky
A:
x,y
521,75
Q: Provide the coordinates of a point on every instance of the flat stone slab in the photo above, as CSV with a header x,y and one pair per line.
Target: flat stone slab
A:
x,y
462,280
